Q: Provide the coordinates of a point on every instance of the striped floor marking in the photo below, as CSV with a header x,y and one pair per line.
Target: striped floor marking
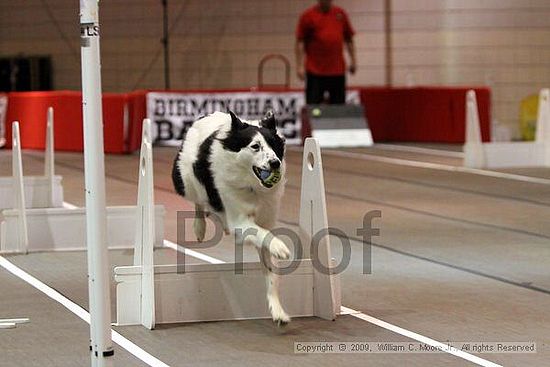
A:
x,y
435,166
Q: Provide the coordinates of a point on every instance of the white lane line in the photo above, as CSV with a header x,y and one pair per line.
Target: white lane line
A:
x,y
420,338
438,166
413,149
365,317
80,312
193,253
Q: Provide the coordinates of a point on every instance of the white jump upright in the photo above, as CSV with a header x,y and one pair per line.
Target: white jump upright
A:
x,y
145,227
543,124
313,220
49,163
18,190
474,155
40,191
507,154
149,294
94,171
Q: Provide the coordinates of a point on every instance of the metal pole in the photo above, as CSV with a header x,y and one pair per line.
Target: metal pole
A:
x,y
101,347
166,45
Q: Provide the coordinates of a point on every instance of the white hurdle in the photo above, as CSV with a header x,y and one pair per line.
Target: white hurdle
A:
x,y
40,191
63,229
149,294
17,169
507,154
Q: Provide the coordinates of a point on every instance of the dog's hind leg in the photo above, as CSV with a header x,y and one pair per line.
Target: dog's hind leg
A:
x,y
272,285
199,224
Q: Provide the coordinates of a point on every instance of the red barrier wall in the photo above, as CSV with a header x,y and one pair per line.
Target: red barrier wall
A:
x,y
425,114
29,108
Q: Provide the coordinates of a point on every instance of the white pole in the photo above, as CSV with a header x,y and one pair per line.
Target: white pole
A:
x,y
94,169
49,170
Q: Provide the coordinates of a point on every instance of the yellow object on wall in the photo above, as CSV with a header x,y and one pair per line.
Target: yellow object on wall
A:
x,y
529,107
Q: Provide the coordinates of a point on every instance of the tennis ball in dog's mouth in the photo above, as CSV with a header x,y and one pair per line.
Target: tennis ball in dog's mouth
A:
x,y
273,178
269,178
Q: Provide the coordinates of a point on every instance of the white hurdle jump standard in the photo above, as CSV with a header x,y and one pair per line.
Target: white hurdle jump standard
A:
x,y
507,154
24,230
40,191
149,294
20,203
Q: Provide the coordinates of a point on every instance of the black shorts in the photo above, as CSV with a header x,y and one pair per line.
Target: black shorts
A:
x,y
317,85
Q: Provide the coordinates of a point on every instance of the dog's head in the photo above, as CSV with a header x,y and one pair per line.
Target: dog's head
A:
x,y
260,150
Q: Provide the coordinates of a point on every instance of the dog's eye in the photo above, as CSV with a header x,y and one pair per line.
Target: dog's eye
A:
x,y
255,146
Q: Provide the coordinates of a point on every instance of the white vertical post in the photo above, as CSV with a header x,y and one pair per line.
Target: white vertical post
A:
x,y
543,117
145,228
18,189
543,124
94,171
49,164
313,220
474,155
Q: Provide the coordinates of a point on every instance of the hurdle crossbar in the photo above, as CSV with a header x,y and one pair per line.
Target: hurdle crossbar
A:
x,y
149,294
507,154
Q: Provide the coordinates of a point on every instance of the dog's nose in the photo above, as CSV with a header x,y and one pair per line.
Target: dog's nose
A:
x,y
274,163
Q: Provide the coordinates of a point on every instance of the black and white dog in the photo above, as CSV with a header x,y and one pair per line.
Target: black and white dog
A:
x,y
236,169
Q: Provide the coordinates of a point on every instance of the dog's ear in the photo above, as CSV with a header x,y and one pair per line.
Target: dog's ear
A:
x,y
268,121
236,123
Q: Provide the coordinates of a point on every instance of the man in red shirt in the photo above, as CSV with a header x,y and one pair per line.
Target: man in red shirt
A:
x,y
321,34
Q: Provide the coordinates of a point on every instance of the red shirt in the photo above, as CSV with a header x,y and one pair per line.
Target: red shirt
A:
x,y
324,35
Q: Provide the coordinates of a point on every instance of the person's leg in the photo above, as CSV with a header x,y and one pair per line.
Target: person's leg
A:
x,y
314,91
337,89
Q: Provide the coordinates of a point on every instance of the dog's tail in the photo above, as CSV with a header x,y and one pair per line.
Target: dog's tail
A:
x,y
177,178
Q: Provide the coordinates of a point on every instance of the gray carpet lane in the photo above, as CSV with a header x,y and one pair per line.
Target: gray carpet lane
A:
x,y
419,233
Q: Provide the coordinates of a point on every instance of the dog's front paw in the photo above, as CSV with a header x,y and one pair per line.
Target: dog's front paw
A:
x,y
280,317
199,227
278,249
